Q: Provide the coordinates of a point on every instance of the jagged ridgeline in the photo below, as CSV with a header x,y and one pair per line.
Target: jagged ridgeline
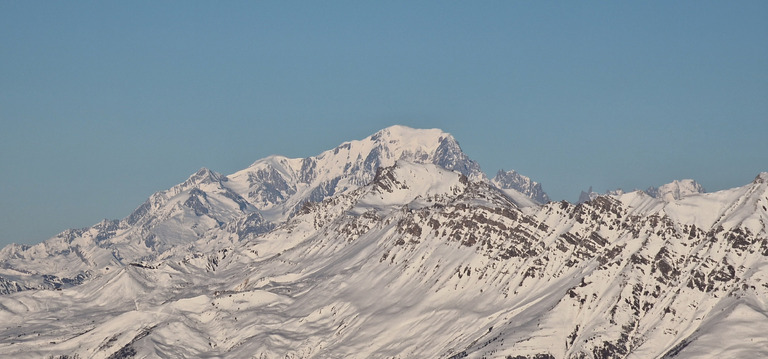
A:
x,y
397,246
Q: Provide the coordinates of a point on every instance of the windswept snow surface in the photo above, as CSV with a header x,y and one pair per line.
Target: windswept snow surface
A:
x,y
394,247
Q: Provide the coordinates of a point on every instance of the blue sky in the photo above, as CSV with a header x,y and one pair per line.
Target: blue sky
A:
x,y
104,103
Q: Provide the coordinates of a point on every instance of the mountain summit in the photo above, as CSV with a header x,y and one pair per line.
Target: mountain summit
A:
x,y
278,186
513,180
396,246
675,190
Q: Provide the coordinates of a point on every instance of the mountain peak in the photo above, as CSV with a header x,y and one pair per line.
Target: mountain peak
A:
x,y
423,145
587,196
762,177
426,145
514,180
281,185
204,175
404,133
675,190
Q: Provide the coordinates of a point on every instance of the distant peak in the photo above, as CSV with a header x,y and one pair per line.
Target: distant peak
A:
x,y
587,196
400,132
430,145
675,190
591,195
513,180
203,172
204,175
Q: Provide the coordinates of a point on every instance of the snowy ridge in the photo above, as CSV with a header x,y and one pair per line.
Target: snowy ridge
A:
x,y
420,261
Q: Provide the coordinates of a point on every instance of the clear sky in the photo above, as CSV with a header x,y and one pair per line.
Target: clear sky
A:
x,y
103,103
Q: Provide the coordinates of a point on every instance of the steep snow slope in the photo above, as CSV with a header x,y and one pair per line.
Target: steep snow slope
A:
x,y
422,262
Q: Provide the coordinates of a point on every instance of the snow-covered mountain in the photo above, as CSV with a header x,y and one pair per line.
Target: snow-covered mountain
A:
x,y
425,258
211,205
513,180
279,186
675,190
